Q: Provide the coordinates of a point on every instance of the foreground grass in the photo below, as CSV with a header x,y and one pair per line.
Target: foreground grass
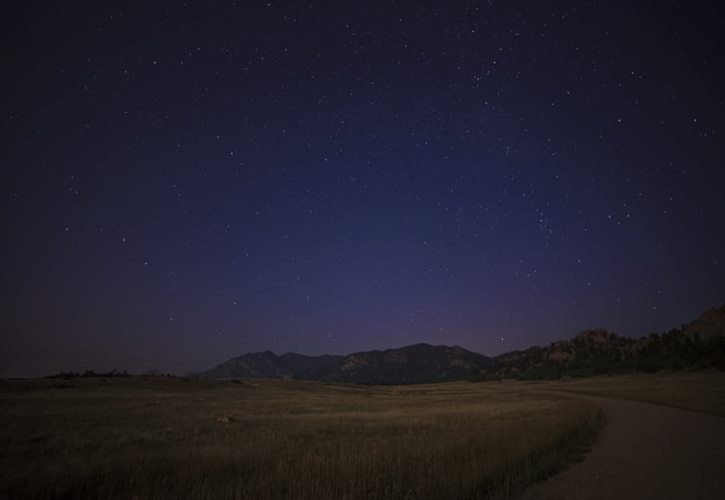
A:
x,y
698,391
173,438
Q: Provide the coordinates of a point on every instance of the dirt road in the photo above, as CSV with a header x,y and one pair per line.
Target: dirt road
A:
x,y
645,451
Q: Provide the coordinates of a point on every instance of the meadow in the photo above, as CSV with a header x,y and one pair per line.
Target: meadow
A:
x,y
267,439
701,391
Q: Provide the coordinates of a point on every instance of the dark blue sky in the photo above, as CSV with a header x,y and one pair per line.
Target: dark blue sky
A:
x,y
182,183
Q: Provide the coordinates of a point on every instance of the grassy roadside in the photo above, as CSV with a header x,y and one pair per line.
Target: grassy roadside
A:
x,y
697,391
173,438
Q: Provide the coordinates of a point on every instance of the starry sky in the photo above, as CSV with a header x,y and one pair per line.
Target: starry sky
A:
x,y
183,182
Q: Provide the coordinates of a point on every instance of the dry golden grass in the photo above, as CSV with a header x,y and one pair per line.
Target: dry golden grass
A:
x,y
702,391
175,438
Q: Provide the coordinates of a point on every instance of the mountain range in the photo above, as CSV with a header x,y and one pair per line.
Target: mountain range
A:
x,y
411,364
697,345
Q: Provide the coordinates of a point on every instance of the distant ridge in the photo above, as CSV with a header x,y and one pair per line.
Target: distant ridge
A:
x,y
410,364
697,345
269,365
416,363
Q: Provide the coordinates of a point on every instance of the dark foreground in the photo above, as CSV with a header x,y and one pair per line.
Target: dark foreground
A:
x,y
176,438
179,438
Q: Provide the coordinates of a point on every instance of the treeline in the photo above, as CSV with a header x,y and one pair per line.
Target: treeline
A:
x,y
676,350
111,374
601,353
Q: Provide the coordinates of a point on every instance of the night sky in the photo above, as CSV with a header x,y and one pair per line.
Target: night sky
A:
x,y
185,182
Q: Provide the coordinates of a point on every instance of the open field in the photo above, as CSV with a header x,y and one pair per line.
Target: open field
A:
x,y
698,391
178,438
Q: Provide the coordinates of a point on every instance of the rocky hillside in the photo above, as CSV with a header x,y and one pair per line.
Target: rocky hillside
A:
x,y
698,345
269,365
411,364
710,324
590,352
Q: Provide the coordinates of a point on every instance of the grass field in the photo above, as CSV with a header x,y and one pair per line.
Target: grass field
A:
x,y
178,438
698,391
